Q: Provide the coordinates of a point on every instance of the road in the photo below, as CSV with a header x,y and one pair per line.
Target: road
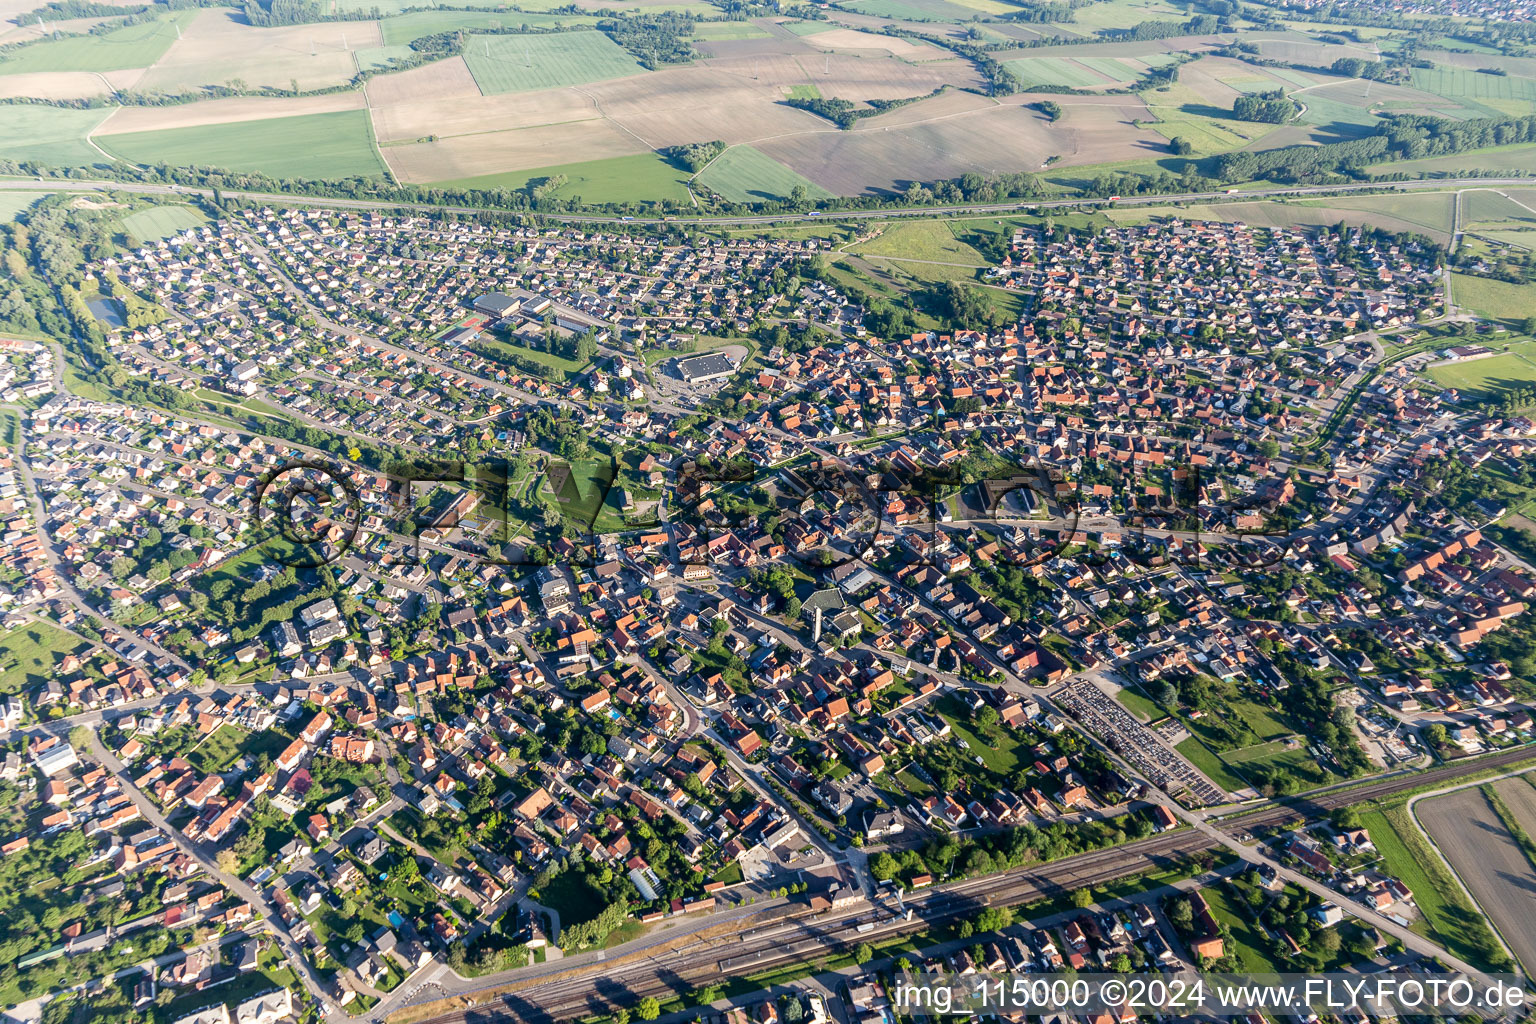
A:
x,y
595,982
66,184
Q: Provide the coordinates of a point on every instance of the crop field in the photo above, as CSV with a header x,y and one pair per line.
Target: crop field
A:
x,y
1489,377
1491,864
49,135
158,222
614,180
916,10
1485,206
219,48
224,112
1430,211
1268,213
132,46
714,30
525,63
509,159
743,174
403,28
1034,71
1518,94
336,145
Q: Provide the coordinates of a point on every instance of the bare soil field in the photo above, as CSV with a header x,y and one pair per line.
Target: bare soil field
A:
x,y
1004,138
29,29
853,39
693,104
442,79
1520,797
471,156
850,77
474,114
225,111
729,48
1489,862
65,85
220,46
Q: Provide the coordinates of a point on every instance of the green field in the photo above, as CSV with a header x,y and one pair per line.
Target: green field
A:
x,y
1483,206
745,175
1215,769
13,203
1495,299
375,57
913,10
1431,210
720,30
1518,95
1490,378
1121,14
158,222
619,179
132,46
1496,158
49,135
803,92
338,145
1034,71
403,28
29,653
932,240
559,366
524,63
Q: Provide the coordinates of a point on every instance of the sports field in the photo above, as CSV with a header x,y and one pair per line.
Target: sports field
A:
x,y
132,46
1492,376
620,179
338,145
744,175
158,222
525,63
49,135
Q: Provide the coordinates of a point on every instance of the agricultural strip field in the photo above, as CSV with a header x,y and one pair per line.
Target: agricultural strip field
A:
x,y
1034,71
1491,377
158,222
744,175
1446,913
220,48
1492,865
619,179
524,63
50,135
1504,94
132,46
337,145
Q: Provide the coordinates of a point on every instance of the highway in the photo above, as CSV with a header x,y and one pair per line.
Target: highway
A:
x,y
591,983
884,213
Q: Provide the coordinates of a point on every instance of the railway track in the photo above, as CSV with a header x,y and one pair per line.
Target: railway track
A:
x,y
599,988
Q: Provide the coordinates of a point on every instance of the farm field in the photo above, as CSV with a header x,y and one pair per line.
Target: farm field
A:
x,y
743,174
1489,378
336,145
1269,213
29,653
158,222
717,30
13,203
1490,863
1496,299
1520,159
131,46
525,63
50,135
1519,795
619,179
1034,71
219,48
403,28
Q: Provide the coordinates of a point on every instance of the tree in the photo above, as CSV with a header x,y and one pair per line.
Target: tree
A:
x,y
1082,898
1180,146
863,953
649,1008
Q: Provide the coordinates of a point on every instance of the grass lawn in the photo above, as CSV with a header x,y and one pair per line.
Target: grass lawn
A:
x,y
1248,943
1214,768
1494,299
218,750
29,653
744,175
1489,378
730,874
569,895
561,368
914,785
932,240
1139,705
619,179
49,135
1006,757
335,145
1447,916
132,46
525,63
158,222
